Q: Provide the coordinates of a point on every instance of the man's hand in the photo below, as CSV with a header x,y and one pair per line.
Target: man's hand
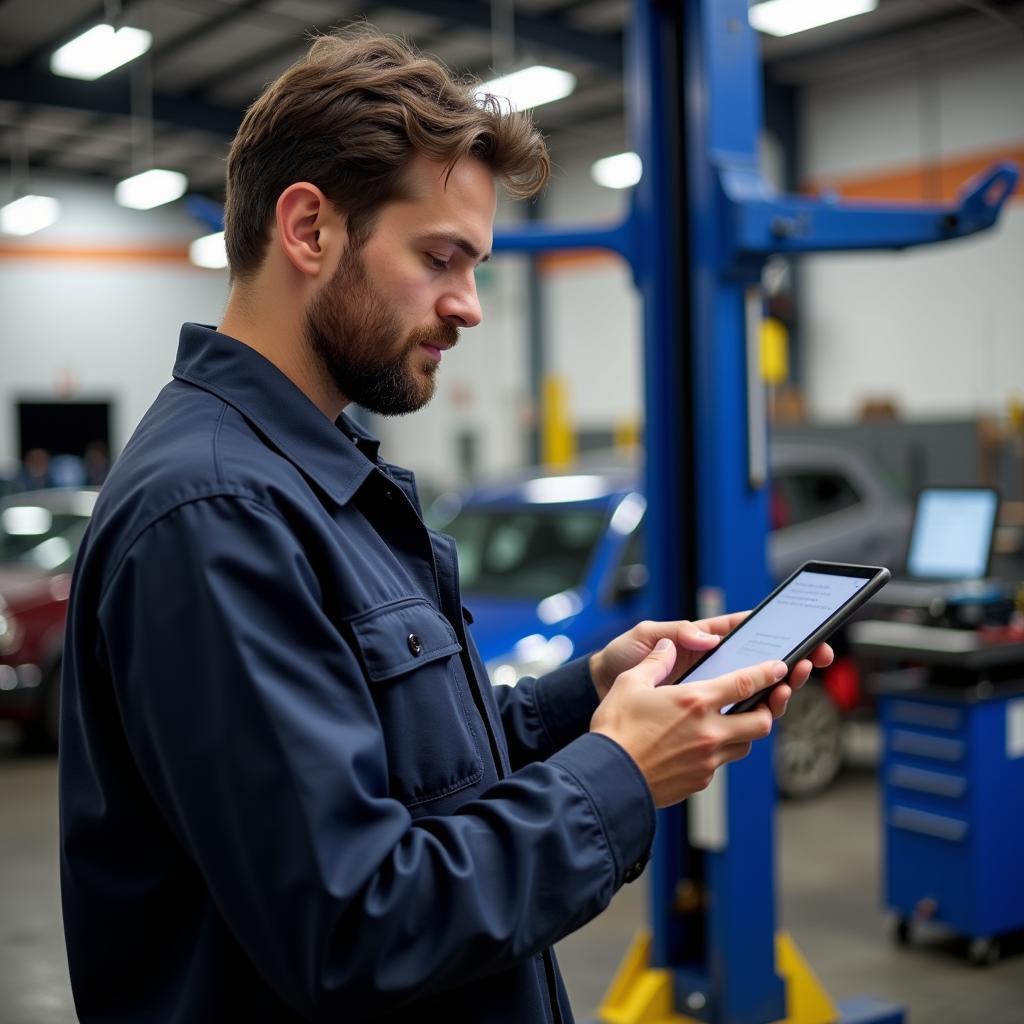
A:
x,y
677,735
691,640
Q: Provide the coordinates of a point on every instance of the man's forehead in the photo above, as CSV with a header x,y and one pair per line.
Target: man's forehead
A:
x,y
456,203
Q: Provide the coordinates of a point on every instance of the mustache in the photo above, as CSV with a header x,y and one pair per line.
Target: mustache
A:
x,y
442,336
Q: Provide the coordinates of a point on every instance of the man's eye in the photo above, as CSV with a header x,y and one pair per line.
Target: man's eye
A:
x,y
436,262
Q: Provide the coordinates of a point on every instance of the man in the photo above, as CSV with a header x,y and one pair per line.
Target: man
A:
x,y
287,792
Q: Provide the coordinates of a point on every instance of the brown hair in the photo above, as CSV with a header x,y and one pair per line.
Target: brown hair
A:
x,y
348,117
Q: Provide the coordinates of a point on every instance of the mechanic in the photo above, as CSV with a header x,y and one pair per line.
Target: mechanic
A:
x,y
287,791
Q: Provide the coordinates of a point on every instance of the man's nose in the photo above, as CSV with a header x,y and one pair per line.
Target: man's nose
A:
x,y
460,306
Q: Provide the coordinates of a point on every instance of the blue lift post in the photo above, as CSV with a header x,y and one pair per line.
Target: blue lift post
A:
x,y
701,223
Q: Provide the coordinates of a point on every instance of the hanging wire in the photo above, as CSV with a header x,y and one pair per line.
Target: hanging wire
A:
x,y
19,162
503,35
142,114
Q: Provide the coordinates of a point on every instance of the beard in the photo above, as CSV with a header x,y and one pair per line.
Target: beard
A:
x,y
350,330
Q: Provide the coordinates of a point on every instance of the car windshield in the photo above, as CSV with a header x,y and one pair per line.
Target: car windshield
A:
x,y
524,552
36,536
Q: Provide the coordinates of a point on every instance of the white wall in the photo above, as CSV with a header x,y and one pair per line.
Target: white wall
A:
x,y
109,329
939,329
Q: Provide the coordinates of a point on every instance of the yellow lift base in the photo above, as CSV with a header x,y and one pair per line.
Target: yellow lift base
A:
x,y
641,994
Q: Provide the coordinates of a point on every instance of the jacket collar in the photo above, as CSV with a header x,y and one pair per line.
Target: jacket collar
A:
x,y
339,456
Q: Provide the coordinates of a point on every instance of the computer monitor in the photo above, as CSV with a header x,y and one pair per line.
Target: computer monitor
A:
x,y
952,533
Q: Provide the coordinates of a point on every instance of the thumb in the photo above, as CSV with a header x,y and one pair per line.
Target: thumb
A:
x,y
657,665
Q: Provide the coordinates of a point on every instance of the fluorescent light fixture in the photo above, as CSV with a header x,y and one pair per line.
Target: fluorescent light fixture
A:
x,y
531,87
28,214
623,170
209,251
98,51
150,188
787,17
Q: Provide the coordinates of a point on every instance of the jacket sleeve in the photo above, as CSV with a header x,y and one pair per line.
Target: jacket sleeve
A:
x,y
254,729
540,716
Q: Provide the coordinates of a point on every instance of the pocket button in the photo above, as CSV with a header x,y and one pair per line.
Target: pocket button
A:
x,y
415,643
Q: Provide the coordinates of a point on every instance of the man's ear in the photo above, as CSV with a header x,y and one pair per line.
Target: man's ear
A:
x,y
309,229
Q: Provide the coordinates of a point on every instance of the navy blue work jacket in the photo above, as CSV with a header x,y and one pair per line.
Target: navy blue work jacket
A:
x,y
287,791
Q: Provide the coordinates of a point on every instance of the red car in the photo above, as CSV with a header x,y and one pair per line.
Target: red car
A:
x,y
39,535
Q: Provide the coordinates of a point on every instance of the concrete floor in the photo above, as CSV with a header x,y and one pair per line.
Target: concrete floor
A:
x,y
828,858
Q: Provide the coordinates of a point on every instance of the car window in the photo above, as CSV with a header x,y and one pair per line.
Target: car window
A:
x,y
32,535
809,494
530,553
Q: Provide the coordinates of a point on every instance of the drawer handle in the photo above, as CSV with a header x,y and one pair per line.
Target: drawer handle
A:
x,y
928,824
927,782
924,714
938,747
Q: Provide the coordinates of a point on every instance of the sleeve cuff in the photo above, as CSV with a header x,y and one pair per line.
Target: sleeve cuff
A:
x,y
620,797
566,700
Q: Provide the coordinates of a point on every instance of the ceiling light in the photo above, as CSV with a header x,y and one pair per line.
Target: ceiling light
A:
x,y
531,87
150,188
209,251
620,171
28,214
101,49
786,17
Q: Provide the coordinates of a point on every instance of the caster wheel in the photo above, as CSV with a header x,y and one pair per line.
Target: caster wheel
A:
x,y
983,952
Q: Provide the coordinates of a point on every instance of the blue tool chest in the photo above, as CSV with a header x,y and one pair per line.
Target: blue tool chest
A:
x,y
953,809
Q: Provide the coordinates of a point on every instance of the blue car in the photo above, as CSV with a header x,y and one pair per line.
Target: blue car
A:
x,y
551,566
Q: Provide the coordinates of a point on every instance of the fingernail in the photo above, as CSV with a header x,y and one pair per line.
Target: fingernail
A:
x,y
780,670
701,635
663,644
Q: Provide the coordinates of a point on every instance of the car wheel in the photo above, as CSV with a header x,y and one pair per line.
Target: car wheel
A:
x,y
808,744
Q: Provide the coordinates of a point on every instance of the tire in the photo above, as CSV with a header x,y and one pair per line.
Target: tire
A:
x,y
808,744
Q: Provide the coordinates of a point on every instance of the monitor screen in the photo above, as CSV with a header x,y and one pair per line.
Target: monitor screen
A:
x,y
952,534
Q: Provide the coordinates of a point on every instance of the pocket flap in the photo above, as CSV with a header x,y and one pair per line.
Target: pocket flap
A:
x,y
398,637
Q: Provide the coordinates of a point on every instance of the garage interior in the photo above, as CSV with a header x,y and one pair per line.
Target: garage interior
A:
x,y
879,374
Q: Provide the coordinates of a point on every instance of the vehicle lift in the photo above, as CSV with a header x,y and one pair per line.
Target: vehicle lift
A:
x,y
701,224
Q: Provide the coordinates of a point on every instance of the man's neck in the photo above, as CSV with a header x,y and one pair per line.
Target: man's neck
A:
x,y
274,329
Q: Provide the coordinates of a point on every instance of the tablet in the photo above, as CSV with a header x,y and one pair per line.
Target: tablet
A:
x,y
791,621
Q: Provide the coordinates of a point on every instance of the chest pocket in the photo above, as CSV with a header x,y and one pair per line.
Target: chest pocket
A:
x,y
410,653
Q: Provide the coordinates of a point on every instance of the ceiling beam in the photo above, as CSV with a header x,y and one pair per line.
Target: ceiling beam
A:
x,y
547,30
112,96
603,50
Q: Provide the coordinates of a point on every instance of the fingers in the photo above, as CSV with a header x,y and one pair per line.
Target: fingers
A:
x,y
778,699
737,686
656,666
690,636
722,624
822,656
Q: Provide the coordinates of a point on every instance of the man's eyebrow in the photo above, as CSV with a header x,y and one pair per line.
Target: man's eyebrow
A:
x,y
466,246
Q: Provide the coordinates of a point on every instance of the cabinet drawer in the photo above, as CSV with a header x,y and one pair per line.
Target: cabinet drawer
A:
x,y
921,744
930,716
922,780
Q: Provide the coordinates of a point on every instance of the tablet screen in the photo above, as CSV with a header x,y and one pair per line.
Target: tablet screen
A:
x,y
780,626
